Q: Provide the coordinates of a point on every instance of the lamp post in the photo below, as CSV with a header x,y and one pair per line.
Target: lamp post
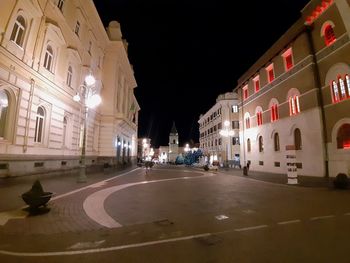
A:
x,y
89,99
227,133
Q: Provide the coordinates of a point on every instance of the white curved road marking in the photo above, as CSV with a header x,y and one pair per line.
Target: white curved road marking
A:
x,y
94,204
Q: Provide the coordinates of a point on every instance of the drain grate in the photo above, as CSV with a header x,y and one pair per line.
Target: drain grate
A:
x,y
163,222
209,240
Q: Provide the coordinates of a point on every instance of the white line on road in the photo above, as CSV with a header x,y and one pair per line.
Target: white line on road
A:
x,y
289,222
99,250
94,203
321,217
250,228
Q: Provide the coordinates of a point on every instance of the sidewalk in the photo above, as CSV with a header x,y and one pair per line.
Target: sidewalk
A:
x,y
305,181
11,189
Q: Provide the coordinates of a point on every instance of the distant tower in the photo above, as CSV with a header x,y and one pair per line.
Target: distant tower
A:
x,y
173,144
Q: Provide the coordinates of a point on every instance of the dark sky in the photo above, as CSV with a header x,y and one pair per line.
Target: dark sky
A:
x,y
186,53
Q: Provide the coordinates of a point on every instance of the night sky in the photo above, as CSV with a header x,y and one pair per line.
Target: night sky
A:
x,y
186,53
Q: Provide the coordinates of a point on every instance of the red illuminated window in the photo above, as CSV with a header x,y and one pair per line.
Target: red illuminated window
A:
x,y
247,122
256,81
259,118
288,59
343,137
245,93
294,107
270,73
274,112
329,36
347,81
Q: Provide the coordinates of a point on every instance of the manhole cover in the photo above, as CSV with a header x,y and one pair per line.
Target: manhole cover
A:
x,y
164,222
209,240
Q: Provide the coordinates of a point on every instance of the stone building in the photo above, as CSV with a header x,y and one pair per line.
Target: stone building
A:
x,y
47,48
298,94
220,142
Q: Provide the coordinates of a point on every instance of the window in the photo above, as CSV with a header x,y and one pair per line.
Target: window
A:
x,y
234,109
248,146
48,60
64,131
219,126
69,76
235,124
77,28
261,144
329,36
276,141
341,89
247,122
294,107
270,73
219,141
297,139
288,59
274,113
60,4
39,125
18,30
343,137
245,92
235,140
259,118
4,105
90,46
347,80
256,81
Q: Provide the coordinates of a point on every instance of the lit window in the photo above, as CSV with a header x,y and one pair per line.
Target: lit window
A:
x,y
276,140
245,92
69,76
259,118
39,125
297,139
261,144
256,81
343,137
342,88
335,91
274,112
248,145
235,140
17,35
234,108
77,28
288,59
247,122
60,4
4,106
294,106
329,36
48,58
347,80
270,73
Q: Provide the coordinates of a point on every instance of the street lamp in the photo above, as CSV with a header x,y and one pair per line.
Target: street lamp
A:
x,y
89,99
227,133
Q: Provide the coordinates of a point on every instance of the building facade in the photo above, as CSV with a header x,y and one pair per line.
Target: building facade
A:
x,y
298,94
47,47
220,142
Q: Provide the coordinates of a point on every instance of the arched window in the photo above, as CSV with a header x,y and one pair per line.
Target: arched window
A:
x,y
274,112
261,144
329,36
48,60
247,122
259,118
39,125
297,139
276,141
335,91
69,76
65,122
60,4
248,146
342,88
347,81
294,106
343,137
4,105
18,30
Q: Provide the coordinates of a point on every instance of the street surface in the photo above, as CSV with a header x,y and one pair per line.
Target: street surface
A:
x,y
179,214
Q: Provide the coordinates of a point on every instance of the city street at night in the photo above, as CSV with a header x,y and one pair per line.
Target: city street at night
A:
x,y
179,214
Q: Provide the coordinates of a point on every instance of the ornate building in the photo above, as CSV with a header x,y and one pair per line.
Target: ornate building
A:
x,y
47,48
297,95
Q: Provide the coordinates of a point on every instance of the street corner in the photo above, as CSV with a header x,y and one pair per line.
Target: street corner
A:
x,y
13,214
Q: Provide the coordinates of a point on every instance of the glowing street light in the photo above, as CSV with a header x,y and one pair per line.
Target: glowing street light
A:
x,y
228,133
89,99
